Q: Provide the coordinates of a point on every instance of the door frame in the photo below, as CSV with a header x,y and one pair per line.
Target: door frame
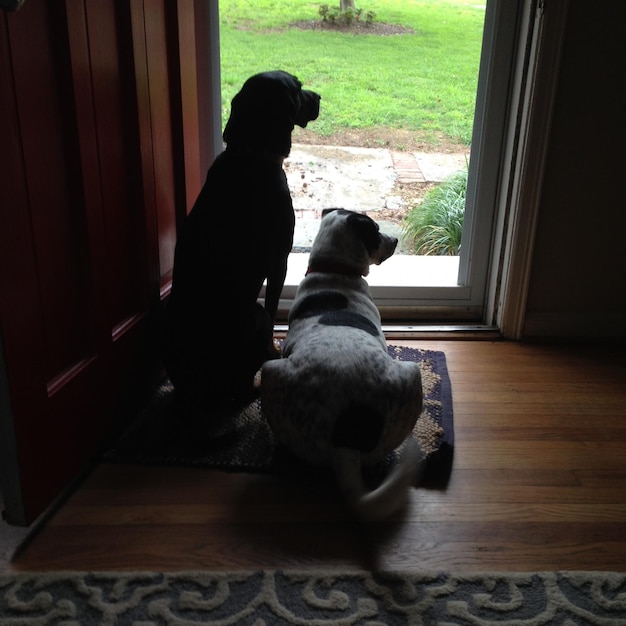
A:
x,y
527,146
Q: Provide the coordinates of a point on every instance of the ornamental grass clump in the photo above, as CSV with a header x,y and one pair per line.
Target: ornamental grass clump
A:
x,y
434,226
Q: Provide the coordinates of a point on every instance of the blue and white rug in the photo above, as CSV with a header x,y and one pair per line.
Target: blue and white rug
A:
x,y
290,598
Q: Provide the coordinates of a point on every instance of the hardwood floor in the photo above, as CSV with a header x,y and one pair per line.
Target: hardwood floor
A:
x,y
538,483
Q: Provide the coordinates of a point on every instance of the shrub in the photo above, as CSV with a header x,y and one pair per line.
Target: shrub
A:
x,y
434,226
346,17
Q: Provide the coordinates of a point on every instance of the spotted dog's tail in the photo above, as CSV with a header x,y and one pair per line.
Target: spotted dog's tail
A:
x,y
391,494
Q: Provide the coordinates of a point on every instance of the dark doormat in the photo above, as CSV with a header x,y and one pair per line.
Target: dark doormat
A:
x,y
244,442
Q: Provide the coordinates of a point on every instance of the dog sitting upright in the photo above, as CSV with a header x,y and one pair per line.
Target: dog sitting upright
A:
x,y
337,398
238,234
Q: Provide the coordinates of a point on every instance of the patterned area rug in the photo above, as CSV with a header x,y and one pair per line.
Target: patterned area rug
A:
x,y
243,441
286,598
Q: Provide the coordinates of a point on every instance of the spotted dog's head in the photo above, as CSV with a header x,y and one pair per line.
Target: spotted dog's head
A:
x,y
348,243
266,110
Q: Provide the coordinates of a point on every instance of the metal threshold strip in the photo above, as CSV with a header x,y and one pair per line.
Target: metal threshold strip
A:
x,y
435,331
441,331
432,328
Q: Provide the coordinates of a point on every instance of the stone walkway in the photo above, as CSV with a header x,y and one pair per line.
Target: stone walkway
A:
x,y
425,167
361,179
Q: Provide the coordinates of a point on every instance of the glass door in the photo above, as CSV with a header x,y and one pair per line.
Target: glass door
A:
x,y
414,288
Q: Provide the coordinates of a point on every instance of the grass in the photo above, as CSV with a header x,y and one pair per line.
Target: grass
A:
x,y
435,226
423,81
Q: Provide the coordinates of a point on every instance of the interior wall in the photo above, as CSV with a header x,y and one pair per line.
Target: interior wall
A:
x,y
577,284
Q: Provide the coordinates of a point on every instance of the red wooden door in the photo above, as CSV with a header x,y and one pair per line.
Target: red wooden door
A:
x,y
96,162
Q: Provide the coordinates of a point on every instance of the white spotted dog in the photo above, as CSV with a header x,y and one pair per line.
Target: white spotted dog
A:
x,y
337,398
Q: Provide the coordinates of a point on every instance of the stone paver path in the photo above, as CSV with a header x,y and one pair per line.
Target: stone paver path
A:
x,y
361,179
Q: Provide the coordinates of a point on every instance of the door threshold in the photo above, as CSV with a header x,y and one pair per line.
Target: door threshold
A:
x,y
480,332
427,331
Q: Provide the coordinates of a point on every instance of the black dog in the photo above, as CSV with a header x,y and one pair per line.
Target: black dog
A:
x,y
238,234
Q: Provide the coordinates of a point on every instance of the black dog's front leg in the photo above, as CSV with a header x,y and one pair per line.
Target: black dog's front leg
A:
x,y
274,288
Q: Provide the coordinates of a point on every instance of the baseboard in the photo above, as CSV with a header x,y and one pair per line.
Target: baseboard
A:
x,y
575,326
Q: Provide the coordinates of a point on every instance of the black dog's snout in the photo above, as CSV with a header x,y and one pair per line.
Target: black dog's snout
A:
x,y
309,107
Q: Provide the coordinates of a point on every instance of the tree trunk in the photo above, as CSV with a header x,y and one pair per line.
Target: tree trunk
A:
x,y
346,4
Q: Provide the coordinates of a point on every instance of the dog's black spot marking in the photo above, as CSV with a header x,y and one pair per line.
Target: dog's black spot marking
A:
x,y
319,302
358,428
349,318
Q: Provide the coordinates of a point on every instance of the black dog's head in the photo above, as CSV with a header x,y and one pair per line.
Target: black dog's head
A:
x,y
263,114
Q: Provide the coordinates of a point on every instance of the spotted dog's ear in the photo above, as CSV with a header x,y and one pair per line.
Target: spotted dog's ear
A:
x,y
367,230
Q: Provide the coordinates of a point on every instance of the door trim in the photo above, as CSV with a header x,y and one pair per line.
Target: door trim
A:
x,y
519,211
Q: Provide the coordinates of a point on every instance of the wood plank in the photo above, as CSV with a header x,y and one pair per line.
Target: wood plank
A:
x,y
547,455
407,546
472,404
420,510
536,433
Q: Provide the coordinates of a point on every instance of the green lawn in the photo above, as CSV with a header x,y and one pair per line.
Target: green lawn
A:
x,y
424,81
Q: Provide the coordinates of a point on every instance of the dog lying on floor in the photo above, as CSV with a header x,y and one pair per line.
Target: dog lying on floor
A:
x,y
337,398
238,234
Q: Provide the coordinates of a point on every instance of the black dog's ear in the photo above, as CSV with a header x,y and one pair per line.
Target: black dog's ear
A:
x,y
309,108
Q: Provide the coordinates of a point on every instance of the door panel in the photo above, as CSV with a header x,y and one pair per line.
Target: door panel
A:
x,y
87,213
164,176
49,159
114,128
